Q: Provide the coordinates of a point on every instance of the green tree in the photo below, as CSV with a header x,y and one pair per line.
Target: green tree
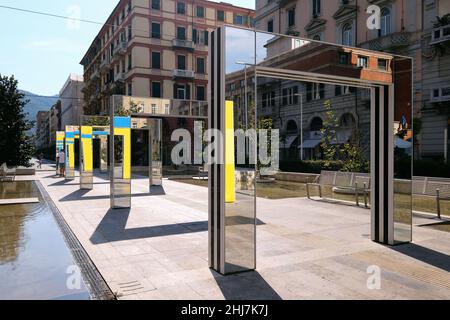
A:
x,y
353,157
16,145
349,153
329,129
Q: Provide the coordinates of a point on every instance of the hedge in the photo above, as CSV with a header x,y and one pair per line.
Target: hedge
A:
x,y
426,168
431,168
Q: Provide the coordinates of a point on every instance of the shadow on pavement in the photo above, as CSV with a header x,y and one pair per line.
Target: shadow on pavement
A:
x,y
245,286
429,256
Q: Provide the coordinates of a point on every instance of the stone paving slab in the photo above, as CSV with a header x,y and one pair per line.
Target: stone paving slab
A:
x,y
305,249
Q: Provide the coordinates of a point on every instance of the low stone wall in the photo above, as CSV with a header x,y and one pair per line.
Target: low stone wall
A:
x,y
25,171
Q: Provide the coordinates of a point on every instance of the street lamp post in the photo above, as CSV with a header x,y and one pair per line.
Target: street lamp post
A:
x,y
301,125
245,64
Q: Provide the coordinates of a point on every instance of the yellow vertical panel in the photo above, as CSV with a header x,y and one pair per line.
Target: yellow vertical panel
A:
x,y
86,140
126,133
230,180
71,156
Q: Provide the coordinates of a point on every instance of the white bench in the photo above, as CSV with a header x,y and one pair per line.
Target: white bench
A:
x,y
7,174
358,183
438,188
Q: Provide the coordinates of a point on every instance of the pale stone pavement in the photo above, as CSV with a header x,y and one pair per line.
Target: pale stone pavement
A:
x,y
305,249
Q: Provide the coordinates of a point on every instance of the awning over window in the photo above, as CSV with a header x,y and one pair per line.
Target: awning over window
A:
x,y
310,144
289,141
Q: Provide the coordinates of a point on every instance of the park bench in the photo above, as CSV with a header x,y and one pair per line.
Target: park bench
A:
x,y
357,183
7,174
438,188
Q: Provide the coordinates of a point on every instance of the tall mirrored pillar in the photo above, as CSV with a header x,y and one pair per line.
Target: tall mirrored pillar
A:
x,y
60,137
86,159
120,155
71,132
155,139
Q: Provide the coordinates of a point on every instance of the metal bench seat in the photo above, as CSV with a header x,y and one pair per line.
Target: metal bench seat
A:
x,y
438,188
359,183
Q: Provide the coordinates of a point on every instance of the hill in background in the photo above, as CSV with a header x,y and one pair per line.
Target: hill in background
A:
x,y
37,103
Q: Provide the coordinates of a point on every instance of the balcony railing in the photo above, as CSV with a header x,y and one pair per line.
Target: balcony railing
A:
x,y
390,41
183,44
184,74
164,107
120,77
95,74
105,64
120,50
440,35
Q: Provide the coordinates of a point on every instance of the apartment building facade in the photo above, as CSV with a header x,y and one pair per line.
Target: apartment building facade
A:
x,y
407,28
47,124
156,49
42,138
71,100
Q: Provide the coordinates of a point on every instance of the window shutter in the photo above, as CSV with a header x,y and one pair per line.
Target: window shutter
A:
x,y
194,36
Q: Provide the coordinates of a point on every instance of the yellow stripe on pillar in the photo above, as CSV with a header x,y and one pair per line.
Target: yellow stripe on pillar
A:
x,y
86,140
126,133
230,180
71,155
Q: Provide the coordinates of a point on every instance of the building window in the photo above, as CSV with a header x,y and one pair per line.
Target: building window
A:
x,y
316,37
382,64
291,17
181,62
200,12
181,33
270,26
363,62
315,91
156,5
340,90
220,15
238,19
130,89
317,10
130,30
290,96
167,109
180,91
385,22
156,89
156,30
181,8
347,35
153,108
156,60
201,93
123,66
200,65
130,62
206,37
344,58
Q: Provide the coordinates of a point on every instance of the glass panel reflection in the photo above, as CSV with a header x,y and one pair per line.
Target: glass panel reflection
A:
x,y
403,150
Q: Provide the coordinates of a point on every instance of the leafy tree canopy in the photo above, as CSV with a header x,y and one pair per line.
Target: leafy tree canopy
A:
x,y
16,145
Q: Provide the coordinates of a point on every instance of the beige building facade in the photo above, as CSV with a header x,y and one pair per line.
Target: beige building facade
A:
x,y
156,48
406,28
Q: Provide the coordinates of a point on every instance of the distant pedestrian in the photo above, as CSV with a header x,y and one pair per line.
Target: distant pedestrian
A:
x,y
62,162
57,162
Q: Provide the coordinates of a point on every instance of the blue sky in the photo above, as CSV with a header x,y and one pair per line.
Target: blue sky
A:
x,y
42,51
